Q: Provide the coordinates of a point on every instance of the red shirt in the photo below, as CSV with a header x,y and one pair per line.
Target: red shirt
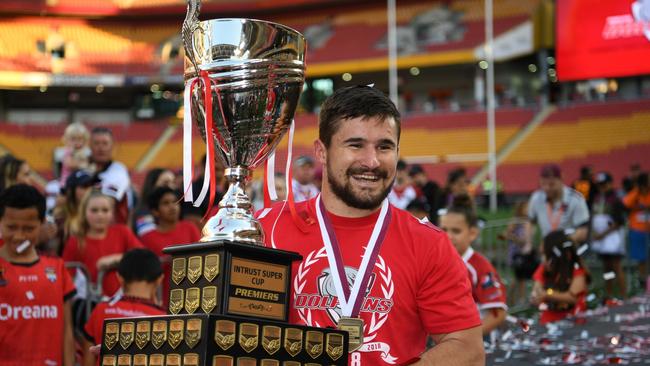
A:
x,y
31,311
122,307
419,285
185,232
487,288
549,316
118,239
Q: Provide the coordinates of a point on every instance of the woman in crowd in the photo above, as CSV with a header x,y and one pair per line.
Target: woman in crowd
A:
x,y
99,244
561,280
607,236
14,171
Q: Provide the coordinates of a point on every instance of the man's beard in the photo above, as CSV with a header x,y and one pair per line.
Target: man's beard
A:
x,y
346,194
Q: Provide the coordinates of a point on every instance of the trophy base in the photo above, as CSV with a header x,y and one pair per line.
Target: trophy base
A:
x,y
218,340
230,278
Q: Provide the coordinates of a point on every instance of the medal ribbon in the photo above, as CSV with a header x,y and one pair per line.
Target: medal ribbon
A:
x,y
351,300
554,218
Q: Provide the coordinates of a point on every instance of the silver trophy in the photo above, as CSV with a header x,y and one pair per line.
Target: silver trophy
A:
x,y
257,72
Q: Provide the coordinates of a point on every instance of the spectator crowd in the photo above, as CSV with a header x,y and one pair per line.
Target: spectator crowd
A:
x,y
99,240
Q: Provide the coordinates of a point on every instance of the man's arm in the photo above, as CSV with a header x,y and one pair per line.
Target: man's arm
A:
x,y
493,319
68,337
461,348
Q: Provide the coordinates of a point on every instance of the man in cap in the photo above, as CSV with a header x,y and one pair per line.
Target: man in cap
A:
x,y
303,179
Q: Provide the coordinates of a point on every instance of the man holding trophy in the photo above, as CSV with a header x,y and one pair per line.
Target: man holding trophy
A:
x,y
349,272
366,264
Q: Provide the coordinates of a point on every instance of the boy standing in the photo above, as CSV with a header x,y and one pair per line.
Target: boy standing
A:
x,y
35,291
140,275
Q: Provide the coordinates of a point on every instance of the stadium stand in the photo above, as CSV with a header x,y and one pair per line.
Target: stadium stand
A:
x,y
610,136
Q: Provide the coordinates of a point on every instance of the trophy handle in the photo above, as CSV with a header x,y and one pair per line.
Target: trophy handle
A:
x,y
190,24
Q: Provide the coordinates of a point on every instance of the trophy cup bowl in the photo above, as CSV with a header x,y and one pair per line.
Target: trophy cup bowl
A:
x,y
257,71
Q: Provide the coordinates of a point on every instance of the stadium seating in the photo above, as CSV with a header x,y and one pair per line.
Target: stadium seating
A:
x,y
608,136
91,46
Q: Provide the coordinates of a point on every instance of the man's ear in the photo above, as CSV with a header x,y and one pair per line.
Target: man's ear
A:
x,y
320,151
473,233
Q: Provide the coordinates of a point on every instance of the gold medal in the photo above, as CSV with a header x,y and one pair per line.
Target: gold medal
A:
x,y
354,327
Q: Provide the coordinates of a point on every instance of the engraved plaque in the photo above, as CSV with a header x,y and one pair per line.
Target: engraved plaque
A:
x,y
314,343
127,333
176,297
194,268
192,299
334,346
193,332
176,329
178,270
209,299
111,335
109,360
293,341
159,333
142,334
221,360
271,338
211,267
248,336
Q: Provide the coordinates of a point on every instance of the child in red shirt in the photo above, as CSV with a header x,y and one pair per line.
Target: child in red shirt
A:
x,y
140,274
99,244
170,230
35,291
460,222
561,280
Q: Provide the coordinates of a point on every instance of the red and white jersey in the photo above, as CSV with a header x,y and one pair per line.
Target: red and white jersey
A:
x,y
117,307
487,289
418,285
31,311
185,232
119,239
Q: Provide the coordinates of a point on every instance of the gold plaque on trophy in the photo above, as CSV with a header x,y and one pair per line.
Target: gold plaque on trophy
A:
x,y
224,334
271,338
192,299
211,267
159,333
334,346
222,360
124,360
109,360
269,362
156,360
248,336
191,359
176,329
293,341
246,361
111,335
173,359
176,297
314,343
291,363
127,333
140,360
142,334
209,298
193,332
257,289
194,268
178,270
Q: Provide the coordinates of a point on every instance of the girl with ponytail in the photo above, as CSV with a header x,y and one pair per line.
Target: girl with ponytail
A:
x,y
561,280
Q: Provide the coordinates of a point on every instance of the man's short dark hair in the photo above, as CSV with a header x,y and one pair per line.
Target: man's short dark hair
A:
x,y
353,102
140,265
154,198
101,131
22,196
